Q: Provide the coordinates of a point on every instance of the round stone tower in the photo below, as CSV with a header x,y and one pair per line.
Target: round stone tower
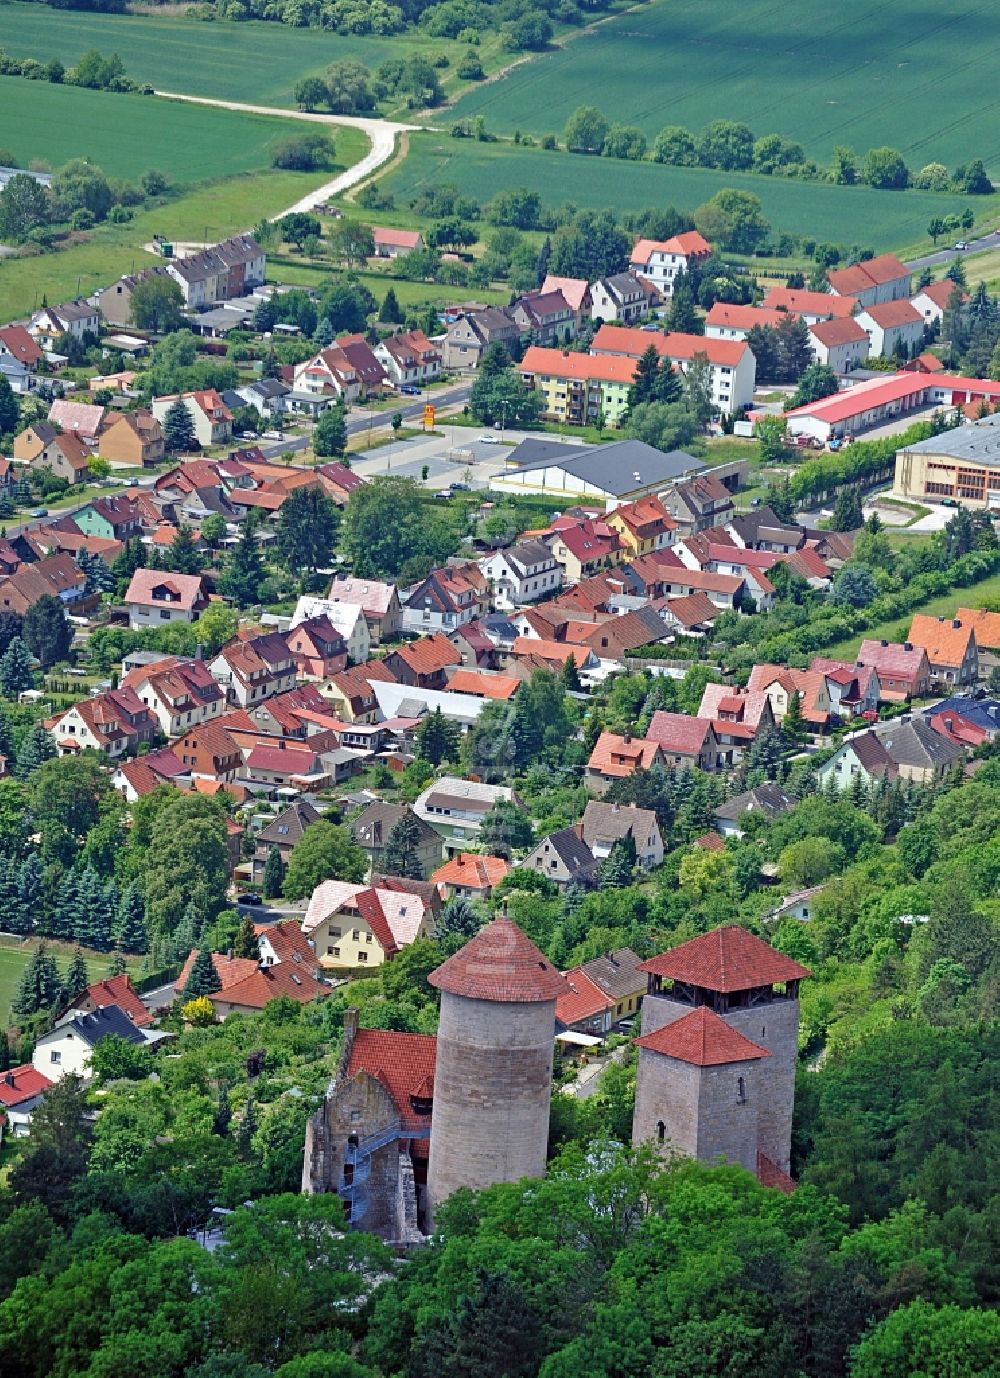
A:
x,y
493,1075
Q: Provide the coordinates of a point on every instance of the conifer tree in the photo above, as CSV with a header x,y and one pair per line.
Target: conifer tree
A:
x,y
36,748
247,1129
183,556
223,1113
274,874
244,573
187,933
75,981
15,669
11,909
792,725
437,738
92,926
30,876
178,429
118,963
245,942
38,988
62,920
202,979
129,929
618,869
399,857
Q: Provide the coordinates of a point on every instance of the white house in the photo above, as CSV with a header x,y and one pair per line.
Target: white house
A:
x,y
409,358
661,261
155,597
68,1047
211,418
842,343
524,573
931,301
347,618
872,282
20,356
732,366
893,327
455,808
621,297
77,318
731,321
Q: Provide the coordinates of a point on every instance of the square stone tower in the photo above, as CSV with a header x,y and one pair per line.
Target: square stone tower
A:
x,y
754,990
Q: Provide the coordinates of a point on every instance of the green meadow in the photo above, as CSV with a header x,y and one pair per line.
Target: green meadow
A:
x,y
920,76
882,219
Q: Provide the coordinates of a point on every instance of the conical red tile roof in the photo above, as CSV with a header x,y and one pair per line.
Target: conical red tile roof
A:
x,y
727,959
500,963
704,1039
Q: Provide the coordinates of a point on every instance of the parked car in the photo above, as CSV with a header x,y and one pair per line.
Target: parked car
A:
x,y
443,493
39,512
489,440
459,487
961,245
251,899
409,390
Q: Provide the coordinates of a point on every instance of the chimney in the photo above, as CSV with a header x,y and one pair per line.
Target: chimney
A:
x,y
941,617
461,859
956,623
627,738
907,645
950,724
199,652
883,642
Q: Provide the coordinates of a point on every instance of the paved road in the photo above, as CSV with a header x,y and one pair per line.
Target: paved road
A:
x,y
381,133
359,420
939,256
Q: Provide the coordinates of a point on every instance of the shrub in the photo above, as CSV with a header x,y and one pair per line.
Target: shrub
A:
x,y
120,215
82,219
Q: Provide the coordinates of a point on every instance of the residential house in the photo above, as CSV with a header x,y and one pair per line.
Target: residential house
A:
x,y
141,775
781,684
621,297
180,694
49,324
254,668
605,824
210,753
265,395
613,638
683,740
351,694
854,689
470,875
31,442
285,942
617,757
115,722
114,990
697,504
112,519
373,826
546,316
56,575
732,366
378,601
283,832
422,664
409,358
761,529
317,648
115,302
22,1090
446,599
372,377
64,455
693,615
522,573
736,715
904,672
583,548
20,358
391,243
810,306
221,272
841,343
211,418
470,336
872,282
578,388
602,992
132,438
575,291
352,926
339,481
564,858
247,987
67,1049
455,808
662,261
919,752
862,756
730,321
347,619
154,597
893,327
80,418
951,647
643,526
767,801
932,301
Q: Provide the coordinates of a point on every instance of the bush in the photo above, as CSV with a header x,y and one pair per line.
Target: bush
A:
x,y
304,153
470,67
82,219
120,215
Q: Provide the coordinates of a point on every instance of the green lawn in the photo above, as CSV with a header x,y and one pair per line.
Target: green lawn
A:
x,y
288,268
917,76
881,219
975,596
14,957
210,210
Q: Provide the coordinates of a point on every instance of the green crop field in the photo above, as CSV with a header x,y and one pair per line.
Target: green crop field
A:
x,y
127,134
916,75
882,219
254,62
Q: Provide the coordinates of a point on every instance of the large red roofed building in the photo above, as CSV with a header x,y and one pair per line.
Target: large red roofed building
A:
x,y
719,1049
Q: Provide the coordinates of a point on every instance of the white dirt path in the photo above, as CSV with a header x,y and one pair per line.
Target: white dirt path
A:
x,y
381,134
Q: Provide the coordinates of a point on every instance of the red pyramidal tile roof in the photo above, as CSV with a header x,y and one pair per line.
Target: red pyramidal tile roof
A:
x,y
403,1063
727,959
703,1039
500,963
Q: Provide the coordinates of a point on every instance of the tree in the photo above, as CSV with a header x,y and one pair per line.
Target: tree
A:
x,y
437,738
38,987
664,425
932,1341
387,527
24,206
618,868
697,387
625,141
676,146
178,429
199,1012
15,669
311,93
501,396
325,851
129,928
76,980
36,747
298,226
244,572
807,862
460,918
57,1156
157,303
9,410
884,167
936,228
353,242
399,857
847,513
117,1059
304,152
274,874
682,316
726,144
390,310
506,829
771,432
844,166
213,529
203,979
187,863
792,725
819,380
330,434
734,220
307,530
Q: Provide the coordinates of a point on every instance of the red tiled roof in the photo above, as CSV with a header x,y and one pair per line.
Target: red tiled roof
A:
x,y
858,277
557,363
500,963
710,842
838,331
487,686
633,343
470,869
429,654
119,990
677,732
944,644
265,984
186,589
727,959
613,755
403,1063
21,1084
736,317
288,941
891,313
583,998
769,1174
398,239
702,1038
230,970
800,302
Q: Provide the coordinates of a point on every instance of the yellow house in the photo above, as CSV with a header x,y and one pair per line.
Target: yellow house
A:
x,y
643,526
354,926
576,388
